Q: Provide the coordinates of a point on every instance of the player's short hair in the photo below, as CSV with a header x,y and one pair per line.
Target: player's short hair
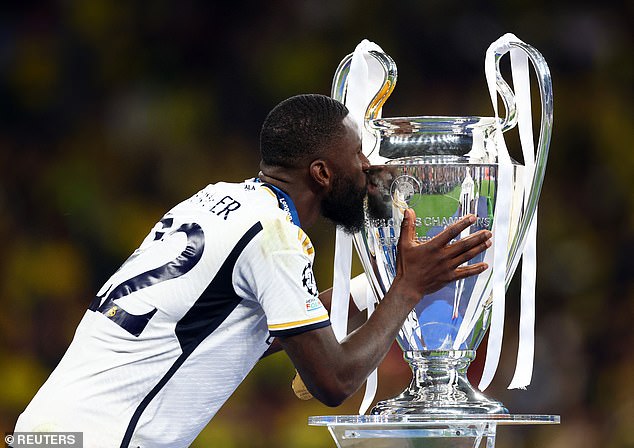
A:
x,y
300,127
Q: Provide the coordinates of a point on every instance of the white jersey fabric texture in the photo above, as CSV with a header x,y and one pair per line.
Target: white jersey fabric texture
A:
x,y
176,329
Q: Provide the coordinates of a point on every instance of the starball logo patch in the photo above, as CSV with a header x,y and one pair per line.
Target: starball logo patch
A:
x,y
309,283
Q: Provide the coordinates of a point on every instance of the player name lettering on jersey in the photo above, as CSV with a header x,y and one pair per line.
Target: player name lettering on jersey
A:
x,y
224,206
208,199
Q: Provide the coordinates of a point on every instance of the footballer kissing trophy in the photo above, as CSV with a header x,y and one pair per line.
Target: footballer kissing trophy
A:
x,y
445,168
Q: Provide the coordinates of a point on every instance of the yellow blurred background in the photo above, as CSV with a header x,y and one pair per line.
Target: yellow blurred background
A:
x,y
112,112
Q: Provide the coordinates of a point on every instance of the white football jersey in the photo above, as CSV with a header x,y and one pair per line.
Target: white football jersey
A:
x,y
175,330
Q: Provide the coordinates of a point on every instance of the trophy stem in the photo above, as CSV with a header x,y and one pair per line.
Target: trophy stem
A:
x,y
439,386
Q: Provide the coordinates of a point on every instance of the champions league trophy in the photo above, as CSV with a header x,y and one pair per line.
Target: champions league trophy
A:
x,y
445,168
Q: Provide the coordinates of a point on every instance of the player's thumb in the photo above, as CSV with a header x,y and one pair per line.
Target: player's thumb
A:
x,y
408,227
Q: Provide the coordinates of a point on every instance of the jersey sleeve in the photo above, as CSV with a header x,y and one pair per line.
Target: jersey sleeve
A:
x,y
277,271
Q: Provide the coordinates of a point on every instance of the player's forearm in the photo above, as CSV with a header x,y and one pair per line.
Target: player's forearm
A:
x,y
343,367
365,348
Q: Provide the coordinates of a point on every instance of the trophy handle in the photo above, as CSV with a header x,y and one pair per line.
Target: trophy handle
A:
x,y
338,92
340,83
507,95
546,95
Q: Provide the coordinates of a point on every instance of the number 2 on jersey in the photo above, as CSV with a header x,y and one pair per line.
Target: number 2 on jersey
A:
x,y
183,263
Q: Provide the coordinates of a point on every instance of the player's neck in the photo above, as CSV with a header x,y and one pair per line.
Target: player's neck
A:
x,y
304,197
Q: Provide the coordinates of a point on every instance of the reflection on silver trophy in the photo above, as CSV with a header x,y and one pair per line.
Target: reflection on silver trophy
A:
x,y
445,168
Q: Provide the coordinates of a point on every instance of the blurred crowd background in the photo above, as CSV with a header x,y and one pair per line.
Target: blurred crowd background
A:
x,y
113,111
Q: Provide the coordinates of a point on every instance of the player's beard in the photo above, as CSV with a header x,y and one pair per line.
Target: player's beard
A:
x,y
344,205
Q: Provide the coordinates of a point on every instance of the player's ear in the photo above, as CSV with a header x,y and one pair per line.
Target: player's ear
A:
x,y
320,172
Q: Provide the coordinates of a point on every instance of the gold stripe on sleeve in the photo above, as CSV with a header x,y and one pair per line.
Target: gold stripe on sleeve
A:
x,y
298,323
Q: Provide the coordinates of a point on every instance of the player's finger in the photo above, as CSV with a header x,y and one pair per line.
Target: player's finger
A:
x,y
408,227
444,237
472,252
466,244
468,271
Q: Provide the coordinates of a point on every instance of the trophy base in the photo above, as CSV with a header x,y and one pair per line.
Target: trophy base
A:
x,y
440,387
421,431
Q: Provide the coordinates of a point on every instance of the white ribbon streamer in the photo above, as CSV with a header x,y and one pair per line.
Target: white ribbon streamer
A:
x,y
525,351
502,220
372,381
341,284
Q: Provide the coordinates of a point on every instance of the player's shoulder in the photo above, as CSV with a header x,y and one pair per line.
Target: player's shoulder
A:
x,y
279,234
281,227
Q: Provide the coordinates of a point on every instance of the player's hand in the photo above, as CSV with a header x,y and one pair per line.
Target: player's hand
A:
x,y
423,268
